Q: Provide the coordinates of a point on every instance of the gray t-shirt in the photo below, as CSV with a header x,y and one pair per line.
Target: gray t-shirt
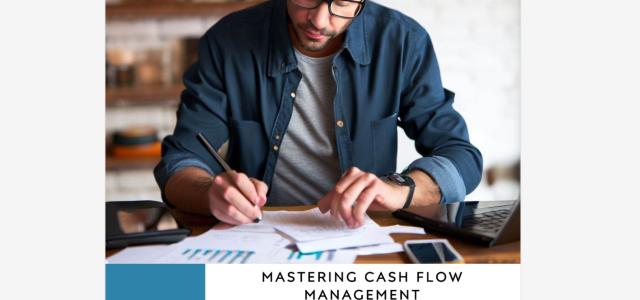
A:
x,y
308,166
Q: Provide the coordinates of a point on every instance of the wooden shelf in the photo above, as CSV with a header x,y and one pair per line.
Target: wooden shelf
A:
x,y
144,95
123,164
163,9
117,163
157,95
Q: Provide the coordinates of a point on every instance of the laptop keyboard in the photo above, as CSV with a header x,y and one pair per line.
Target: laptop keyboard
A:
x,y
488,221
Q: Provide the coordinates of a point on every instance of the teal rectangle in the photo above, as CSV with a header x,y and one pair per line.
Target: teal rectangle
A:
x,y
157,282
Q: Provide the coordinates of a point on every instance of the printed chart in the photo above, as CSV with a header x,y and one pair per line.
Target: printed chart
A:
x,y
313,257
285,255
216,256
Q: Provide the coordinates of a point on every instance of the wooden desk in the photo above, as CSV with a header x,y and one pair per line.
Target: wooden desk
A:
x,y
505,253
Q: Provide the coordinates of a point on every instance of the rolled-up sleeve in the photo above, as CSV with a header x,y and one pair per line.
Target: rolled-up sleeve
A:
x,y
440,133
203,109
445,174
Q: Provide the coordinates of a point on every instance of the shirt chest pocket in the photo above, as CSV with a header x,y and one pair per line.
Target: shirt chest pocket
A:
x,y
384,139
247,147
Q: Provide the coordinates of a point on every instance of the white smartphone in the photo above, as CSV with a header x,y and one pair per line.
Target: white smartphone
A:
x,y
434,251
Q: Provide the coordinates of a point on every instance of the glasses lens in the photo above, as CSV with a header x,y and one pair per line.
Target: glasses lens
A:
x,y
347,9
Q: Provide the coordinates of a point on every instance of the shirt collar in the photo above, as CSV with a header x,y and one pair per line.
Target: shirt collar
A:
x,y
355,41
281,54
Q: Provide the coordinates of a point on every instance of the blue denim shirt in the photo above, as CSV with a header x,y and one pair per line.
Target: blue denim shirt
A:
x,y
243,86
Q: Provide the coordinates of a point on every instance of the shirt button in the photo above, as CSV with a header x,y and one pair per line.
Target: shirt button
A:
x,y
340,123
293,95
275,147
277,137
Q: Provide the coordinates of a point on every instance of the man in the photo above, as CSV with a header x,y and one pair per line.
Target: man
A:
x,y
303,98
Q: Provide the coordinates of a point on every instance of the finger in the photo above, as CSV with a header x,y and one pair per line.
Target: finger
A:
x,y
347,178
350,195
235,198
245,186
222,210
335,205
242,204
229,214
261,189
363,202
325,202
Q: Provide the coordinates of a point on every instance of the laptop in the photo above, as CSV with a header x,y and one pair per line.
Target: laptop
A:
x,y
484,222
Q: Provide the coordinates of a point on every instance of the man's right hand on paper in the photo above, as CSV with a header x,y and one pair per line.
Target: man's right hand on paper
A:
x,y
234,198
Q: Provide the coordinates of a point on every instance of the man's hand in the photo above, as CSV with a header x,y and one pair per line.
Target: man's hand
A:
x,y
236,199
358,191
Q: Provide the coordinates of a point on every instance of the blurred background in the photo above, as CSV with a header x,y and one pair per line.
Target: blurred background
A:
x,y
149,44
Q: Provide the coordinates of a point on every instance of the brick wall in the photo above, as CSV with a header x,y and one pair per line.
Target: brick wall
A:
x,y
477,43
138,35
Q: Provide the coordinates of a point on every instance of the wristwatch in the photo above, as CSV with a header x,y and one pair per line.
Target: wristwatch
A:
x,y
403,180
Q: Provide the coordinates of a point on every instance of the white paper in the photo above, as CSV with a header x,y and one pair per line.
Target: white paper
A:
x,y
209,256
262,227
226,247
317,237
236,247
140,254
403,229
373,237
311,225
381,249
289,255
231,240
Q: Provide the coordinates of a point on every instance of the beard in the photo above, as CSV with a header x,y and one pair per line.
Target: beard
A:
x,y
313,44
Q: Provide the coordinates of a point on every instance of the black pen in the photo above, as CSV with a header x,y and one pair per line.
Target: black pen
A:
x,y
223,163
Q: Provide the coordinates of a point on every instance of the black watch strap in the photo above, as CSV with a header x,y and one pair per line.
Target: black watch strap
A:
x,y
404,180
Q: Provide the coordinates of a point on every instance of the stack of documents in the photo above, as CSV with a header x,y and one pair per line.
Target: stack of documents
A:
x,y
314,231
282,237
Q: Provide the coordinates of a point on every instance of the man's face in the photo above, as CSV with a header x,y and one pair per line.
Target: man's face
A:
x,y
316,30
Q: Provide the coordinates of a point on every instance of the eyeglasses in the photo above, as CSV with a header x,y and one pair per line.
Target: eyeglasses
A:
x,y
347,9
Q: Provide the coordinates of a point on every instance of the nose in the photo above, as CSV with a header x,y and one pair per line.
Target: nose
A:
x,y
319,16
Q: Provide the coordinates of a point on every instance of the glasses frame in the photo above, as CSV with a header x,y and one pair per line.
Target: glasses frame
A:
x,y
329,2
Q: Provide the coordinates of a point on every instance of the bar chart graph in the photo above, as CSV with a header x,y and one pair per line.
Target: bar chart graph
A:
x,y
295,256
223,247
222,256
216,256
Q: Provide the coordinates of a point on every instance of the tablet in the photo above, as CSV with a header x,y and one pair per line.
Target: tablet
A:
x,y
141,222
